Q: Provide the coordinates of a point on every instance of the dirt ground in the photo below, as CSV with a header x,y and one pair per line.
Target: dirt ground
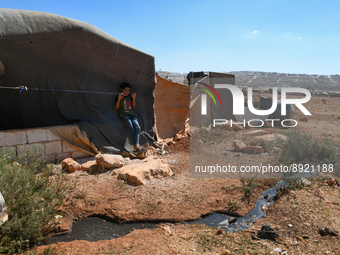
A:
x,y
295,216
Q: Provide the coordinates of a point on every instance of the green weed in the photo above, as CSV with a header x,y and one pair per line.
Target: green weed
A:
x,y
248,187
32,198
302,148
231,206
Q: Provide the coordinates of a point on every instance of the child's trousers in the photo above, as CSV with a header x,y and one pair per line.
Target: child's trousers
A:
x,y
131,122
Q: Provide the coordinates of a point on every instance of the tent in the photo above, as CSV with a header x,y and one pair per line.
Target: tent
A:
x,y
59,71
172,101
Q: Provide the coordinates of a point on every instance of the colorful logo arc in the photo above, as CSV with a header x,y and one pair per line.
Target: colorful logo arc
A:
x,y
209,93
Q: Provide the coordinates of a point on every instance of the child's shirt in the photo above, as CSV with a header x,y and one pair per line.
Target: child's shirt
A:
x,y
125,106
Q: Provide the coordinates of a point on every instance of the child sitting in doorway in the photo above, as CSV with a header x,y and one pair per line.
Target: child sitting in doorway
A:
x,y
125,104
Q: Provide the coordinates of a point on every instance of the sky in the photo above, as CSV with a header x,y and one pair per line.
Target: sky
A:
x,y
285,36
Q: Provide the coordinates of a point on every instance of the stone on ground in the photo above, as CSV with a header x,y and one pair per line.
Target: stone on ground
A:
x,y
89,166
239,145
70,165
271,137
109,160
267,232
143,171
257,132
253,150
237,127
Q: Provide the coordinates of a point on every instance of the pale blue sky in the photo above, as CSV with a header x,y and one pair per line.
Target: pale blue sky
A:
x,y
300,36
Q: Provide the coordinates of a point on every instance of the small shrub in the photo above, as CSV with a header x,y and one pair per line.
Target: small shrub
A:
x,y
248,187
231,206
303,148
289,183
32,200
294,183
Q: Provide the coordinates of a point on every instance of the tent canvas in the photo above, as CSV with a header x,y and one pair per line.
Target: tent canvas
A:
x,y
60,71
172,102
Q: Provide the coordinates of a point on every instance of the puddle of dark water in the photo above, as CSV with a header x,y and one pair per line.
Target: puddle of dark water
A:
x,y
232,224
265,200
95,229
210,220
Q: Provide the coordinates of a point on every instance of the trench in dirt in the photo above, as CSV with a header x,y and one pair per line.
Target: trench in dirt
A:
x,y
95,229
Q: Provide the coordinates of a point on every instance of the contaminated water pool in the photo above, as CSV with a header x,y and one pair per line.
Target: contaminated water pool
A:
x,y
95,229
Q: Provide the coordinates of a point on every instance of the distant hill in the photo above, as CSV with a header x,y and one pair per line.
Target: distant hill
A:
x,y
314,82
175,77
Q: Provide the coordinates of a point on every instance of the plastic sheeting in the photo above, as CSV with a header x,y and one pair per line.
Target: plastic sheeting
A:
x,y
72,72
172,101
73,135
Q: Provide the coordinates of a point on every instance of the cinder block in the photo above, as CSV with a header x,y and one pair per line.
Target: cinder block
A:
x,y
50,158
80,154
62,156
52,148
36,135
67,147
30,150
51,136
9,138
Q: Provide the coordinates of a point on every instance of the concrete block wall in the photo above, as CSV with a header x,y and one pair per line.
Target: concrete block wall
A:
x,y
38,142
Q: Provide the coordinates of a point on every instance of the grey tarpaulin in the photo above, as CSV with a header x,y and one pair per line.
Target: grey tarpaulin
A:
x,y
72,71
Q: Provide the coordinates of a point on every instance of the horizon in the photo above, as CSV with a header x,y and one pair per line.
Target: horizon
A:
x,y
248,71
294,37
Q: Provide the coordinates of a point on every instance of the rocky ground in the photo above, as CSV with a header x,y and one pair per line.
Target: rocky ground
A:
x,y
296,216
